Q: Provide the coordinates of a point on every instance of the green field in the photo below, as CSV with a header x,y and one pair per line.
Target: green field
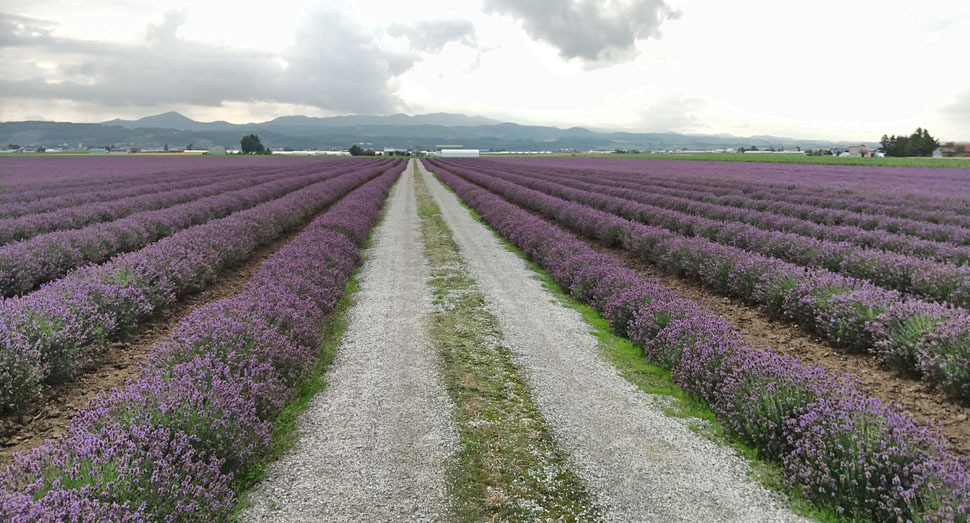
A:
x,y
953,163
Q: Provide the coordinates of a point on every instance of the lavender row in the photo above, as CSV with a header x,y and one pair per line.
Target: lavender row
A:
x,y
869,218
699,204
47,334
928,192
28,226
908,219
42,177
939,281
929,338
837,446
168,446
26,264
103,193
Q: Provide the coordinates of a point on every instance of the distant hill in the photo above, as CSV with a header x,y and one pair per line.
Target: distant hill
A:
x,y
396,130
174,120
170,120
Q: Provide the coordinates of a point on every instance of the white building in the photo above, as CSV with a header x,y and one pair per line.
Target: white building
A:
x,y
459,153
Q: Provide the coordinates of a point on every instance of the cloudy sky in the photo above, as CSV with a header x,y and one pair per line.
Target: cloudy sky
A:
x,y
823,69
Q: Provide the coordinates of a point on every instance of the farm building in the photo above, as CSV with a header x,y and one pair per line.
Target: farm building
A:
x,y
859,151
953,150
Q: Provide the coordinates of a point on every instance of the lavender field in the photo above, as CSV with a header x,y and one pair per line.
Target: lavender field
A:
x,y
224,371
226,277
848,254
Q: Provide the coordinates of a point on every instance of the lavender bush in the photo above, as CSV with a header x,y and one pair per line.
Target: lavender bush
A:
x,y
182,178
167,446
29,225
26,264
58,325
838,447
947,282
700,202
833,195
846,311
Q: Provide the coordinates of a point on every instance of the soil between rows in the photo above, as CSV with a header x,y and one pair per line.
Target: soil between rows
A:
x,y
761,329
119,361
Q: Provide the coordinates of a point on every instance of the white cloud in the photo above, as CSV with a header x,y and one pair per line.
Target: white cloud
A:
x,y
673,112
829,70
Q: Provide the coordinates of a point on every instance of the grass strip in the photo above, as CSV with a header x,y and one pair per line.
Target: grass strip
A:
x,y
508,467
632,365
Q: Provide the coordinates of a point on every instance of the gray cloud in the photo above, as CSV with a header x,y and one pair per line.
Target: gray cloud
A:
x,y
597,32
334,64
432,35
15,28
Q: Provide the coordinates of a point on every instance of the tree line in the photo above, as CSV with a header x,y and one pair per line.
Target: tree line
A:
x,y
920,143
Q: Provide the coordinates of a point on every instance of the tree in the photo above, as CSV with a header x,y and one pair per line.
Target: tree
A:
x,y
356,150
251,145
920,143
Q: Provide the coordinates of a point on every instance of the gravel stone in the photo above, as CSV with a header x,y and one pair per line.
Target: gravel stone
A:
x,y
640,464
375,443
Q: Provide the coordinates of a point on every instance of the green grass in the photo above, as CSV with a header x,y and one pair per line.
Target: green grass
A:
x,y
633,366
508,467
952,163
943,163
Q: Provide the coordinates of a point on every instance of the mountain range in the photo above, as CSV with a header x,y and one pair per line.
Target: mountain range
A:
x,y
396,130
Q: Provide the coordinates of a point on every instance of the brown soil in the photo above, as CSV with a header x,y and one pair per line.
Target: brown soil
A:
x,y
762,329
116,363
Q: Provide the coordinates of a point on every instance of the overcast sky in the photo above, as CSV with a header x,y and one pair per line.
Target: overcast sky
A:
x,y
824,69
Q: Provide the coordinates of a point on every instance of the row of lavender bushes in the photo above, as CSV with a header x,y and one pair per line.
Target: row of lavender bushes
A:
x,y
107,192
700,203
168,446
26,264
48,334
910,334
837,447
882,228
93,211
813,192
33,179
939,281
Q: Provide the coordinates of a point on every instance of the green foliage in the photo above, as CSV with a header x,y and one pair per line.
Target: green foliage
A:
x,y
920,143
251,145
357,150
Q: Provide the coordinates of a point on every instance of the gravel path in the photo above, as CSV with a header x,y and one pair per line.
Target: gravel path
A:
x,y
374,444
641,464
